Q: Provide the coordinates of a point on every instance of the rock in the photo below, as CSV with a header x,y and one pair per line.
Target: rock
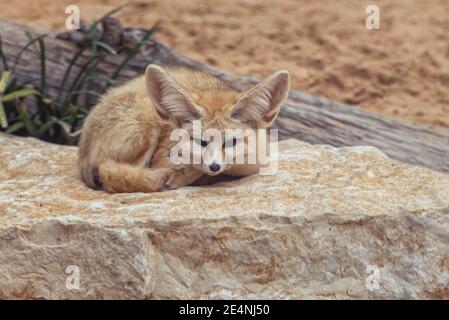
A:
x,y
332,223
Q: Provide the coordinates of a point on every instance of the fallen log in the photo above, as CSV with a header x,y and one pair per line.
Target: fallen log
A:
x,y
306,117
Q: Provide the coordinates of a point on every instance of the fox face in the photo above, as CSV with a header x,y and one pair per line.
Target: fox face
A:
x,y
212,119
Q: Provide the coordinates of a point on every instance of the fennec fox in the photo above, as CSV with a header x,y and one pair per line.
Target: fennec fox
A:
x,y
125,143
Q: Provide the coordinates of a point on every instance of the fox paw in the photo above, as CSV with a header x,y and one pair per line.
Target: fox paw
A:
x,y
182,178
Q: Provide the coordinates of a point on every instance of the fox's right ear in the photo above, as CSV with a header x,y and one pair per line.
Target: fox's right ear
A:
x,y
169,97
260,105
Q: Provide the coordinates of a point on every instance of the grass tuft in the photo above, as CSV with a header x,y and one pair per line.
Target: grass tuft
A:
x,y
26,110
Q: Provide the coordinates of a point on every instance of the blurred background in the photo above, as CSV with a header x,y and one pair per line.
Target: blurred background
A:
x,y
401,70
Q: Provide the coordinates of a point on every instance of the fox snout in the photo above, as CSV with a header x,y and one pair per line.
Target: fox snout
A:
x,y
213,169
212,162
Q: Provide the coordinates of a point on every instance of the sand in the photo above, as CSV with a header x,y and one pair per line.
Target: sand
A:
x,y
401,70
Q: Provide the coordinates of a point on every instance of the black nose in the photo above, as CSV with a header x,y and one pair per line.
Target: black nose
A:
x,y
214,167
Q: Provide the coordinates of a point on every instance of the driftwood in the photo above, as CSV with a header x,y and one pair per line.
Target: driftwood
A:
x,y
304,116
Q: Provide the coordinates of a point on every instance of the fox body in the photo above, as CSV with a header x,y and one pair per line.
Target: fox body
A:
x,y
125,143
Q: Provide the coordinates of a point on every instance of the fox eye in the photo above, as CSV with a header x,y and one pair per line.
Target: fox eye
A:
x,y
202,142
230,143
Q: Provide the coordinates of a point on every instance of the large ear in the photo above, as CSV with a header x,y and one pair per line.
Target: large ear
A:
x,y
260,105
168,96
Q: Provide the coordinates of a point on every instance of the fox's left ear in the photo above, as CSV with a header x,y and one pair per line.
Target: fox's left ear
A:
x,y
170,99
260,105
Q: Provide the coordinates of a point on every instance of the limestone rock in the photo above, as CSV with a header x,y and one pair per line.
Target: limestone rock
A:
x,y
332,223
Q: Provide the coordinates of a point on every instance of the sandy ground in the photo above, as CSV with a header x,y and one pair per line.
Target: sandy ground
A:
x,y
401,70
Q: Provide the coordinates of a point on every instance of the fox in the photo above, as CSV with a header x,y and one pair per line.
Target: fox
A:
x,y
125,143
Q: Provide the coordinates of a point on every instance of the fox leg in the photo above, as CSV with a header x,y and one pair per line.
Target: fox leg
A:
x,y
183,177
120,177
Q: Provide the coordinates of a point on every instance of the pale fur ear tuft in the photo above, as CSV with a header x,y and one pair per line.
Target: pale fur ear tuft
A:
x,y
169,97
260,105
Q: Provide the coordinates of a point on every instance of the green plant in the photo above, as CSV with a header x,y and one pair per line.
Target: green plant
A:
x,y
29,111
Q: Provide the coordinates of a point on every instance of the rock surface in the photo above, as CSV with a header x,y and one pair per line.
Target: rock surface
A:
x,y
332,223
